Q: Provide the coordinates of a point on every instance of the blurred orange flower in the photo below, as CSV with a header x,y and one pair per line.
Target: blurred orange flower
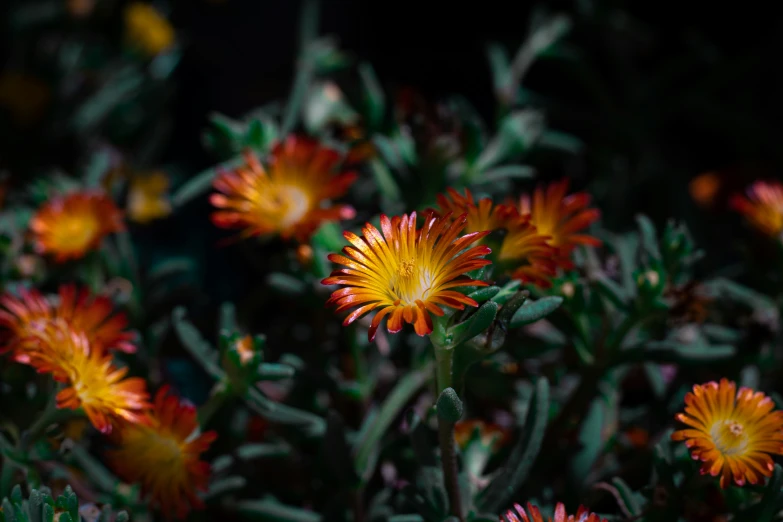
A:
x,y
147,30
490,434
94,383
287,199
86,314
407,273
762,207
148,197
163,455
523,251
705,187
732,432
69,226
533,514
560,216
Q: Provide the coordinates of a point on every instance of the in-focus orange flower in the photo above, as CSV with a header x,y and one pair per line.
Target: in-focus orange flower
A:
x,y
533,514
704,187
163,455
732,432
287,198
407,273
94,383
763,206
561,217
490,434
69,226
87,314
523,251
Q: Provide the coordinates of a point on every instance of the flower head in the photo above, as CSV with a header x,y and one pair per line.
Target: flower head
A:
x,y
287,198
523,251
94,383
763,206
406,273
732,432
705,187
561,217
147,197
67,227
490,435
532,514
147,29
84,313
163,455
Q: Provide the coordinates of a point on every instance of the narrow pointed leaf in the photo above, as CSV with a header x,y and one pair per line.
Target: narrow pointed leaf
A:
x,y
532,311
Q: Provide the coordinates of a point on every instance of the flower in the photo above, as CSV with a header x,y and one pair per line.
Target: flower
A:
x,y
164,454
490,435
287,199
560,217
732,432
518,514
524,252
246,349
763,206
705,187
147,30
405,272
84,313
147,197
69,226
94,383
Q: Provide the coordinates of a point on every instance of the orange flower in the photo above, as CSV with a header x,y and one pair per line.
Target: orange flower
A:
x,y
763,206
69,226
491,435
560,217
524,252
286,200
518,514
95,384
246,349
731,432
85,314
405,272
164,455
704,188
148,197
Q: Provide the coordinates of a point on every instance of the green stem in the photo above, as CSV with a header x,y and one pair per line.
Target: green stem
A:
x,y
448,457
308,31
270,509
216,399
444,359
400,395
51,415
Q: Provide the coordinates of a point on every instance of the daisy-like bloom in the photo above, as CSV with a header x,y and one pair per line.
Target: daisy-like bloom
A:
x,y
406,273
732,432
163,455
523,251
533,514
69,226
90,315
94,383
762,207
287,198
147,197
147,30
561,217
491,435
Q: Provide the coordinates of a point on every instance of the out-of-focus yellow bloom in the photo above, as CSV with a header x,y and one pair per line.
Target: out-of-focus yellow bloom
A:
x,y
67,227
732,432
147,30
762,207
24,96
164,454
148,197
405,272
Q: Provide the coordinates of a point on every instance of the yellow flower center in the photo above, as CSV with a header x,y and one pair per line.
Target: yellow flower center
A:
x,y
729,437
412,283
74,232
286,206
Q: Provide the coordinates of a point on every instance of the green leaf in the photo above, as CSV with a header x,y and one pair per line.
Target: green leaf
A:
x,y
560,141
71,503
628,496
97,108
253,451
99,164
374,99
286,284
502,488
224,485
507,292
510,308
387,186
611,290
500,66
275,372
48,513
198,347
532,311
505,172
329,237
770,501
484,294
474,325
228,318
269,509
591,440
649,236
725,288
94,469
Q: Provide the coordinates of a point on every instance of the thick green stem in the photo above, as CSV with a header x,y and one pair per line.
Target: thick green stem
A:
x,y
448,456
444,359
216,399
